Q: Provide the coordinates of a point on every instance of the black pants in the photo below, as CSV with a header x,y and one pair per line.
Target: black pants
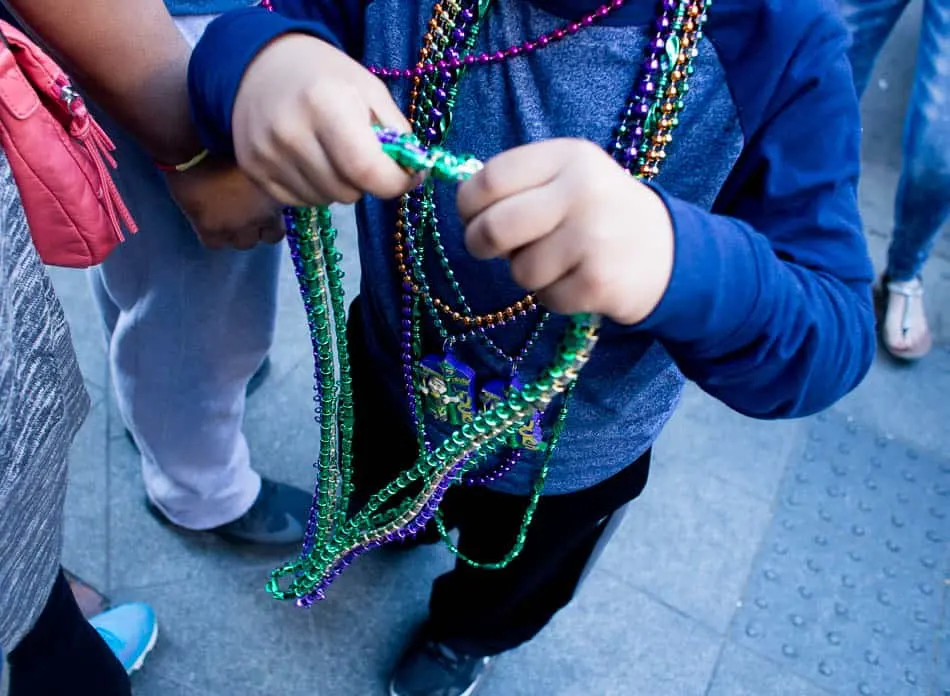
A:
x,y
63,655
487,612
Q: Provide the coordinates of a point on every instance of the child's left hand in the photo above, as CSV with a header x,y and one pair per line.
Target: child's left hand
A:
x,y
576,228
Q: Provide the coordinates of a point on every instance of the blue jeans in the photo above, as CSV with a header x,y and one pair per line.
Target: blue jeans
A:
x,y
923,194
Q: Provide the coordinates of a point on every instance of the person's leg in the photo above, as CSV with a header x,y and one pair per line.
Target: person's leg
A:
x,y
188,327
64,655
923,195
870,22
507,607
474,613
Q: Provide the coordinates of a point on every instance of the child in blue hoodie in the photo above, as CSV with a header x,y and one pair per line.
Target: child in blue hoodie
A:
x,y
686,170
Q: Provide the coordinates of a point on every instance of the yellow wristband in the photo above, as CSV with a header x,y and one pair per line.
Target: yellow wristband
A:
x,y
185,166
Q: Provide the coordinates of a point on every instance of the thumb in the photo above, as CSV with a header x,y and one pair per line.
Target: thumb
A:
x,y
384,109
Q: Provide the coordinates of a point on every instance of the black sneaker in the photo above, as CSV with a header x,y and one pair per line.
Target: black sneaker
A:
x,y
430,668
253,384
278,516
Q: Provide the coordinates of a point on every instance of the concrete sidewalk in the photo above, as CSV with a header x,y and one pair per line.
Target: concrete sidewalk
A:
x,y
800,559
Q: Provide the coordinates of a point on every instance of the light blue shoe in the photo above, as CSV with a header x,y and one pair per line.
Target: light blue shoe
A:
x,y
130,631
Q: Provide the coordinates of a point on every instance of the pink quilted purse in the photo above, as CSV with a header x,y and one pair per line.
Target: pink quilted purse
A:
x,y
59,157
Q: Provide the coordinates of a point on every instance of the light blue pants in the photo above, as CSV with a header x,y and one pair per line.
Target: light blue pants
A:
x,y
187,328
923,194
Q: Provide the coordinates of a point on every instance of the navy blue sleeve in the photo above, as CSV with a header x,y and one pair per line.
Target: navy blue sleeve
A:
x,y
232,41
769,308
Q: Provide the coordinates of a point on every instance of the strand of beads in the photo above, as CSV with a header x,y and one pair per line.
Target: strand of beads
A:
x,y
657,71
663,117
527,47
313,572
412,346
419,212
306,246
338,540
438,101
449,34
533,501
639,117
635,117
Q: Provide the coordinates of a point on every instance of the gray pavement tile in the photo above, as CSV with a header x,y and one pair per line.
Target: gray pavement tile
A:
x,y
116,428
746,453
223,634
909,403
941,682
612,641
848,588
85,540
146,683
72,289
690,539
743,673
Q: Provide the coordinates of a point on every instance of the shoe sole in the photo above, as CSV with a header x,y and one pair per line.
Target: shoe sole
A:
x,y
137,665
468,692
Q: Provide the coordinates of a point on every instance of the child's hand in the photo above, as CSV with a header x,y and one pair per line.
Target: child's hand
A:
x,y
302,125
577,229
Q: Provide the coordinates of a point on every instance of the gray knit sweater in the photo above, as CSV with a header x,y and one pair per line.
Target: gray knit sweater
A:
x,y
42,404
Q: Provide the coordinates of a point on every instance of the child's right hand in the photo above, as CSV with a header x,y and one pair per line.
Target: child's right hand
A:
x,y
302,125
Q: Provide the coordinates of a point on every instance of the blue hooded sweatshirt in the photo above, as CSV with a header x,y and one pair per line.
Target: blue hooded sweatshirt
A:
x,y
769,305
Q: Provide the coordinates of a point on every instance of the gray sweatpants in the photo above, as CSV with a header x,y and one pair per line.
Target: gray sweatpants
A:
x,y
187,328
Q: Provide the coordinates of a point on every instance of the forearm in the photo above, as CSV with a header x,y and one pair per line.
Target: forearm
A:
x,y
129,56
771,334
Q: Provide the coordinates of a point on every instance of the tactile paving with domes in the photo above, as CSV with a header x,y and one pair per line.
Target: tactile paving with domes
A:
x,y
851,586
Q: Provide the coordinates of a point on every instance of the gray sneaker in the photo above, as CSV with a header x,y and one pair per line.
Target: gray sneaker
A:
x,y
278,516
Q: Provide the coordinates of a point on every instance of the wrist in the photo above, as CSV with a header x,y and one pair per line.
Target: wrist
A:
x,y
658,246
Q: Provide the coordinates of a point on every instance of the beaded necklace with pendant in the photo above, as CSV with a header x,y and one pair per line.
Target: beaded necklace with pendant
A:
x,y
406,505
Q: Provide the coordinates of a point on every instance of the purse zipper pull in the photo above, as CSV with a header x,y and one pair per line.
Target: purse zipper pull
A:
x,y
87,131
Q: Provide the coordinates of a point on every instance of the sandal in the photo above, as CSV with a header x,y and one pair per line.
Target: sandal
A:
x,y
904,332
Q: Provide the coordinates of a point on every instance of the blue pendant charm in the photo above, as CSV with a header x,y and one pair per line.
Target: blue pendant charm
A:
x,y
460,392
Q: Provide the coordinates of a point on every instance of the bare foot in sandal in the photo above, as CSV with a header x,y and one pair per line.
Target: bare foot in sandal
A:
x,y
906,335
